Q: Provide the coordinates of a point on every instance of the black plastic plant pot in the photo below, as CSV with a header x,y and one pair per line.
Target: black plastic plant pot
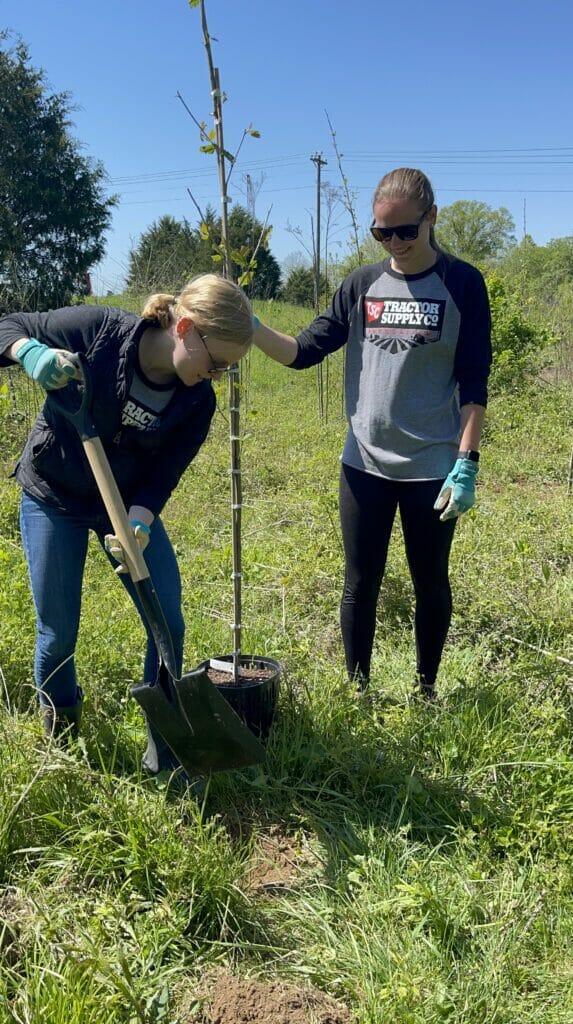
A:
x,y
253,697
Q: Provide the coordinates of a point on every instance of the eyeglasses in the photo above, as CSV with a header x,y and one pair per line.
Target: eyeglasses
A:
x,y
215,367
405,232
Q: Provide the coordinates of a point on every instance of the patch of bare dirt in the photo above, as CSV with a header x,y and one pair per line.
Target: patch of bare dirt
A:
x,y
233,1000
280,861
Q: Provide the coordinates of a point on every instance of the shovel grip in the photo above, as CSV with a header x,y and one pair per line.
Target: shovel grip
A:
x,y
115,508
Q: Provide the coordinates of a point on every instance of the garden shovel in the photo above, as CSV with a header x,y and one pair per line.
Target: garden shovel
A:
x,y
194,719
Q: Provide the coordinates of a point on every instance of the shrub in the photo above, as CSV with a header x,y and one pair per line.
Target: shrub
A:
x,y
519,346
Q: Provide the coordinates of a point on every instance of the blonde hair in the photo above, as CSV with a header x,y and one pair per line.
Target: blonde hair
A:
x,y
407,183
217,306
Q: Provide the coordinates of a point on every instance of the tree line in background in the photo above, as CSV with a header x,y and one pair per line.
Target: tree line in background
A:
x,y
530,286
54,213
171,251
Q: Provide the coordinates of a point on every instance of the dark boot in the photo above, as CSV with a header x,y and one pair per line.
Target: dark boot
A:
x,y
424,689
60,721
158,756
359,682
160,761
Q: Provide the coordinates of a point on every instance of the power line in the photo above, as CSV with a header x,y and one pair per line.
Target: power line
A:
x,y
522,155
531,149
476,188
368,188
188,172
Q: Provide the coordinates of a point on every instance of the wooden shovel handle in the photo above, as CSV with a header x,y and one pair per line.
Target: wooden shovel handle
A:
x,y
115,508
135,561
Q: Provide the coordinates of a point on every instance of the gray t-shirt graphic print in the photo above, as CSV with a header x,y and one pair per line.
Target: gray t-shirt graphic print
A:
x,y
418,346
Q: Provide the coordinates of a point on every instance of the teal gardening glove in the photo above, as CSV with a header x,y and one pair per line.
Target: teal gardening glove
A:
x,y
458,490
49,367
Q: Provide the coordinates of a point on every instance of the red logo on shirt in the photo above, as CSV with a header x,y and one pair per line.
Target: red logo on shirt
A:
x,y
374,310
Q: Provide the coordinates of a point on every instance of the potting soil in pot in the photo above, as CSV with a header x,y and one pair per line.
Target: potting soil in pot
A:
x,y
254,695
247,676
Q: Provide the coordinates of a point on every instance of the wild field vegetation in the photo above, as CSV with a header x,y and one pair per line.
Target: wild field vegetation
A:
x,y
412,862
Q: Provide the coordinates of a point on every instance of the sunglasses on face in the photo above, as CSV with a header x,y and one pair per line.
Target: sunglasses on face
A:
x,y
214,367
405,232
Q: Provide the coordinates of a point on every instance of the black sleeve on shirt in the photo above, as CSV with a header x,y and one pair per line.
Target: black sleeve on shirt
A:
x,y
329,331
72,328
473,356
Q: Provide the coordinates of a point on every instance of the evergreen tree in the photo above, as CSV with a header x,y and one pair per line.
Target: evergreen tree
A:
x,y
53,211
170,252
244,234
299,287
165,257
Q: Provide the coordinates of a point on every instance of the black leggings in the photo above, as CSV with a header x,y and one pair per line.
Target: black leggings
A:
x,y
368,505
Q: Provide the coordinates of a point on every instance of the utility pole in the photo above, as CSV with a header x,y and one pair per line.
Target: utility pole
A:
x,y
318,160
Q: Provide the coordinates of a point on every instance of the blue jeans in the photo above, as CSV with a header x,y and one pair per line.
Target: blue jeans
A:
x,y
55,545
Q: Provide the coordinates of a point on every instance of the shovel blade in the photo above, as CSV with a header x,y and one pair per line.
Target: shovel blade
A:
x,y
221,741
198,724
167,717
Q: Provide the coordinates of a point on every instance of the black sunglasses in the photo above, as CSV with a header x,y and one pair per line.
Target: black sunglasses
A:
x,y
405,232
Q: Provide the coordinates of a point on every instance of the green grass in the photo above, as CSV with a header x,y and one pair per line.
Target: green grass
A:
x,y
431,848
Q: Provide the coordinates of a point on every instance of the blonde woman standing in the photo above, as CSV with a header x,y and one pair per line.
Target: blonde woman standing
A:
x,y
153,402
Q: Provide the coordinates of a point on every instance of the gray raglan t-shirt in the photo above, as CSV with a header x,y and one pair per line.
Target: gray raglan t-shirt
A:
x,y
418,347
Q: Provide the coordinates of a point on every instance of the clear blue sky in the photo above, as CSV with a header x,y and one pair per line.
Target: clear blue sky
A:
x,y
478,95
